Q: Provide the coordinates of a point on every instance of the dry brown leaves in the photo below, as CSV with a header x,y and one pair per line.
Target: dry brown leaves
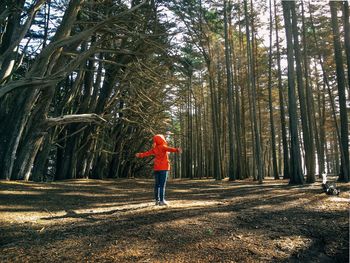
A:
x,y
207,221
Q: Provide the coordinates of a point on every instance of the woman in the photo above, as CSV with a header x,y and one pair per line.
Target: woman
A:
x,y
161,166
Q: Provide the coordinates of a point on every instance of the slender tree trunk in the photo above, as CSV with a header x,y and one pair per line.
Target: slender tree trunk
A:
x,y
241,129
215,127
286,170
335,155
344,133
41,161
347,39
35,135
15,122
256,89
231,170
320,138
251,73
326,84
309,101
189,129
304,111
296,174
272,125
240,156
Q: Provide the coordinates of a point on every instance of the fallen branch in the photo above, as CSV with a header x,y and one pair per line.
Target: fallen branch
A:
x,y
75,118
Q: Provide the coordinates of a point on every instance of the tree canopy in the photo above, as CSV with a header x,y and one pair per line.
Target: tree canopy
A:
x,y
248,89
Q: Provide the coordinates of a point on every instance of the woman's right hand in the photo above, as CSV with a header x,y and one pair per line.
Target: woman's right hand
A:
x,y
137,155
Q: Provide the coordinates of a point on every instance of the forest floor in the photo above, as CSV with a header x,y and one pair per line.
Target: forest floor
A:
x,y
206,221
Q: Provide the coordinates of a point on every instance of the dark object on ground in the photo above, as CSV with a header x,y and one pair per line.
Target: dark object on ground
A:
x,y
330,188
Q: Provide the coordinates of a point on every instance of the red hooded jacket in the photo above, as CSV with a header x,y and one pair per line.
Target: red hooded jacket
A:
x,y
160,152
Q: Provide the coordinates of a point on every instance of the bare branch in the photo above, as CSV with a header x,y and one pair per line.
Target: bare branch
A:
x,y
20,35
43,59
45,55
75,118
28,82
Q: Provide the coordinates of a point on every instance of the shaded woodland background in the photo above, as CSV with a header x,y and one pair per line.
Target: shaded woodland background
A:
x,y
246,88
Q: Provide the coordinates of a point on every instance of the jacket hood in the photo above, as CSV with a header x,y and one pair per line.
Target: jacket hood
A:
x,y
159,139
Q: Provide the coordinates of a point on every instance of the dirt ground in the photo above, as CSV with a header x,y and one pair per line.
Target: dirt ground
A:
x,y
207,221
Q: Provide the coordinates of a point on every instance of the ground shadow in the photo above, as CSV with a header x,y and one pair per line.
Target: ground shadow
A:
x,y
207,221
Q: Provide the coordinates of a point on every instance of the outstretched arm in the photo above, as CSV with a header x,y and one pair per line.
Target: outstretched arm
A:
x,y
145,154
171,149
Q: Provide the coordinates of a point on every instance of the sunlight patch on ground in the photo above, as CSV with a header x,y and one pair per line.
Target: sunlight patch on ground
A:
x,y
108,204
192,203
28,217
41,187
292,243
8,192
181,190
89,194
339,199
328,204
146,205
296,203
132,251
118,208
222,214
14,208
266,208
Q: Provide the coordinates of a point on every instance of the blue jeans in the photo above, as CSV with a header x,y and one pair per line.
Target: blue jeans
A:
x,y
159,186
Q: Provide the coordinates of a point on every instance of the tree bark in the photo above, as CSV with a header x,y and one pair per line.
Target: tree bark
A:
x,y
344,133
286,170
347,39
231,161
304,111
251,73
296,174
272,124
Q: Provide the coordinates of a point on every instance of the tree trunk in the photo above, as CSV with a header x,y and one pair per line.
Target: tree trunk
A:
x,y
286,170
34,137
231,161
347,39
344,133
215,126
251,73
14,122
296,175
240,155
40,163
240,105
272,124
304,111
